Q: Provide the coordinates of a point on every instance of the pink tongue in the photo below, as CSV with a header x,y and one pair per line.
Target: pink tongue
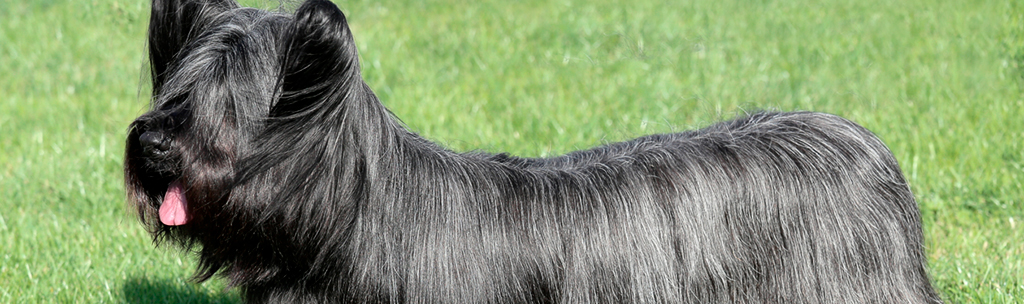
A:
x,y
172,211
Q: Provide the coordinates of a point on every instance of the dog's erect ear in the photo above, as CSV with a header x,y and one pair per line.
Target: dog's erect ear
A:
x,y
321,59
172,24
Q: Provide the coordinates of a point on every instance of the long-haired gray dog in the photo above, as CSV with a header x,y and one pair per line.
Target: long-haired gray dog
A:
x,y
266,153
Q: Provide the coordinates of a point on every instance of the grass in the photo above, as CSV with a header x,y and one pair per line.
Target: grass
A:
x,y
940,81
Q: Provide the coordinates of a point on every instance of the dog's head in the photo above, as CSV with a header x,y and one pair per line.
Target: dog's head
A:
x,y
227,82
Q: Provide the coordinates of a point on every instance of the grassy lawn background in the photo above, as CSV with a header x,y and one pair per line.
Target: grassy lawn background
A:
x,y
939,81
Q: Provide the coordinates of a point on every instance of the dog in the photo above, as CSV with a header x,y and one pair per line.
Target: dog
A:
x,y
266,154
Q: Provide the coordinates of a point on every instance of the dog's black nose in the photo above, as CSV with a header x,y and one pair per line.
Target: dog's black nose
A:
x,y
154,143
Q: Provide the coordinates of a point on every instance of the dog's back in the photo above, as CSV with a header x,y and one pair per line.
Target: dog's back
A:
x,y
767,208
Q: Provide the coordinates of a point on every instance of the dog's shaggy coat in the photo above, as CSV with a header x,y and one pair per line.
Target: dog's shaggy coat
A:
x,y
266,153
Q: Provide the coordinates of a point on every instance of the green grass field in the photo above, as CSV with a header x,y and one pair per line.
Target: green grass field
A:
x,y
941,82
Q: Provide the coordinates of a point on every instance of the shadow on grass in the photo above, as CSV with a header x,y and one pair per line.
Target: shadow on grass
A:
x,y
138,290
